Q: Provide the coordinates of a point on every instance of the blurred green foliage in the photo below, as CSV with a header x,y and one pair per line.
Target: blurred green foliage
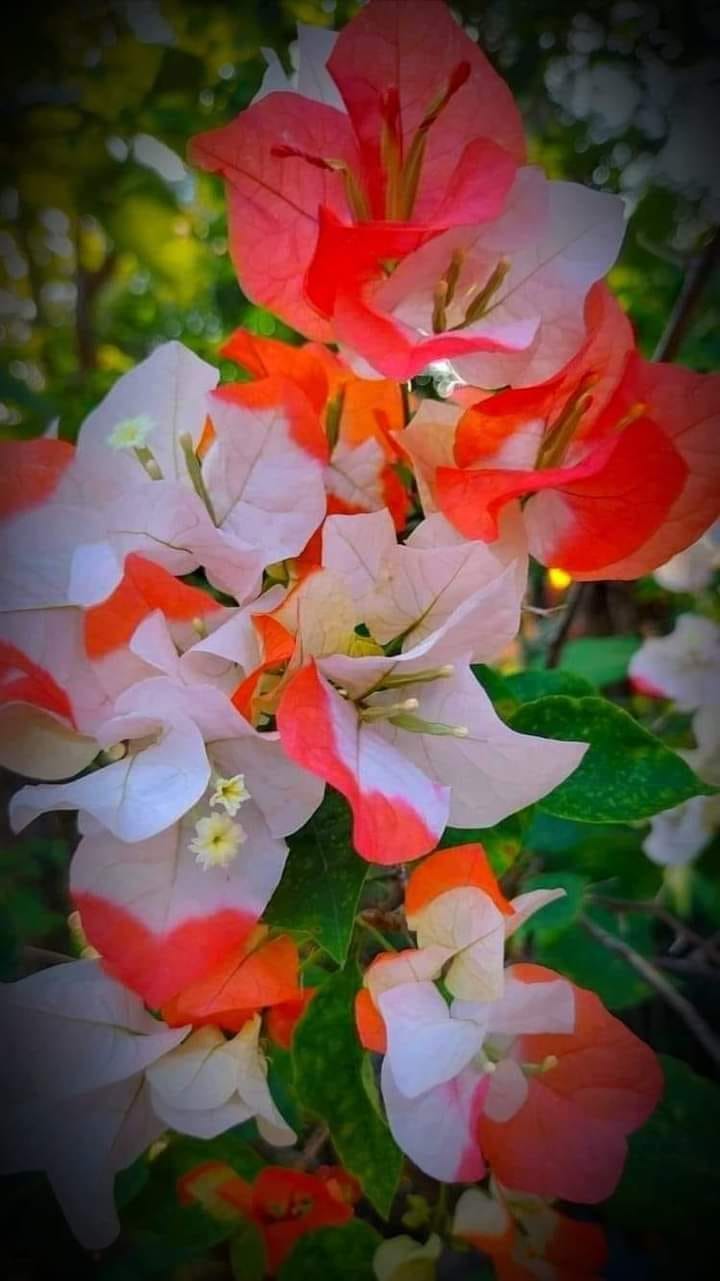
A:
x,y
111,244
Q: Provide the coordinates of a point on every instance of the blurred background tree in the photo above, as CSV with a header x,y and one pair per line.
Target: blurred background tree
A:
x,y
110,244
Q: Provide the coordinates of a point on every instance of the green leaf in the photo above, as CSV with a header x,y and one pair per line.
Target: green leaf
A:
x,y
333,1254
672,1176
582,958
247,1253
558,916
627,774
320,888
282,1085
600,659
328,1061
536,683
613,860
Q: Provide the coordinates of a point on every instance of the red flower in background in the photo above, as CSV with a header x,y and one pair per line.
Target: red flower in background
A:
x,y
283,1203
614,458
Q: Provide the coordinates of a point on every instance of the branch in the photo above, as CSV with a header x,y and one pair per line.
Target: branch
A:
x,y
679,1003
683,932
557,644
694,282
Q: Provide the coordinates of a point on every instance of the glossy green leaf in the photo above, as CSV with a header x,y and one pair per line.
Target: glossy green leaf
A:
x,y
328,1061
538,682
247,1252
321,884
600,659
613,860
333,1254
627,774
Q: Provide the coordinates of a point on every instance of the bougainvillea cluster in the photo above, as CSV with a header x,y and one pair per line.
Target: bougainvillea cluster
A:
x,y
226,601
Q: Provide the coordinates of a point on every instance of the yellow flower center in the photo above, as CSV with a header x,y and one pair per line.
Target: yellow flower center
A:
x,y
131,433
217,841
230,794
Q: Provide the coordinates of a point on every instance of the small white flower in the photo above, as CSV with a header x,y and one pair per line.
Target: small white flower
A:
x,y
230,793
217,841
131,433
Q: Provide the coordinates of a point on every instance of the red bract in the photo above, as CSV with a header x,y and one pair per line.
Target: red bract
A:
x,y
144,588
360,416
614,457
285,1204
422,136
29,471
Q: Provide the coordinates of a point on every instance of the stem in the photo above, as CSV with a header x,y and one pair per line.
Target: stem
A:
x,y
557,643
380,938
679,1003
651,908
694,282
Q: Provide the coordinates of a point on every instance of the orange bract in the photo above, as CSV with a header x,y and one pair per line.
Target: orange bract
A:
x,y
449,869
144,587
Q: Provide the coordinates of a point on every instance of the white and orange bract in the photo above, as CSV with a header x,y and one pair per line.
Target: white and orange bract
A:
x,y
158,914
93,1079
395,720
78,1045
137,485
482,1083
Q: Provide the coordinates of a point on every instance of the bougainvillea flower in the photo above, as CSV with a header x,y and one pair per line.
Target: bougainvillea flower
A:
x,y
453,902
50,700
527,1238
683,666
398,1258
77,1107
283,1203
693,569
159,763
570,450
260,973
502,301
395,720
137,484
680,834
461,919
495,1078
165,738
145,587
207,1085
360,416
288,1203
425,139
161,916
